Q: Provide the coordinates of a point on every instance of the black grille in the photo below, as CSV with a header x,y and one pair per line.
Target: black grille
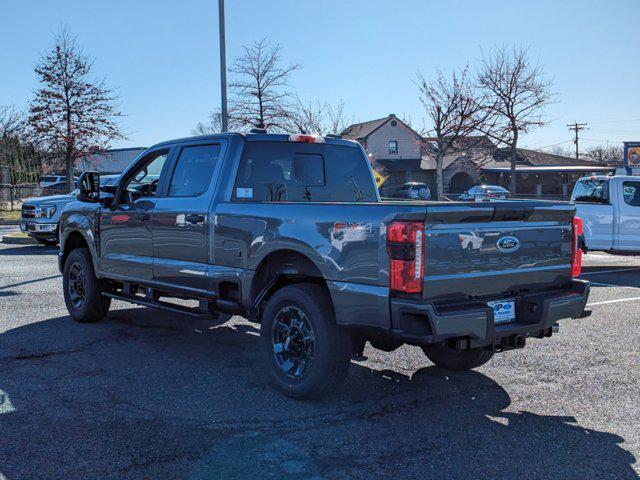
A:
x,y
28,211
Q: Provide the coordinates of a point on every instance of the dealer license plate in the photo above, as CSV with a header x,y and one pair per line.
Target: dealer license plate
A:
x,y
504,311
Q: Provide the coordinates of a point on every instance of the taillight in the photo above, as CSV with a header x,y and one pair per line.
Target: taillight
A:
x,y
576,251
405,245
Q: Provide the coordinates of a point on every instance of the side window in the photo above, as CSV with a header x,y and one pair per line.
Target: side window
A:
x,y
144,181
591,191
631,193
193,171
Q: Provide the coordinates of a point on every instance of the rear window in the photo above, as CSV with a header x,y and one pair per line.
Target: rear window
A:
x,y
631,193
591,191
301,172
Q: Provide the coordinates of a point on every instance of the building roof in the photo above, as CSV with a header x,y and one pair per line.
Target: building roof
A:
x,y
498,160
360,131
537,158
594,167
399,165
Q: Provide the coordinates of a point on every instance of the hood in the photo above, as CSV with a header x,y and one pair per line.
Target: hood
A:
x,y
51,199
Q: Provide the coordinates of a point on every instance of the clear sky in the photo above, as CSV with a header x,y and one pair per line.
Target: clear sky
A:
x,y
162,55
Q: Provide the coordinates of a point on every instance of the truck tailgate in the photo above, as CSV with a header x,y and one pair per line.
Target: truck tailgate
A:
x,y
497,248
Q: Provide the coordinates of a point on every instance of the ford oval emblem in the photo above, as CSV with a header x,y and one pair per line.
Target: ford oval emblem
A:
x,y
508,244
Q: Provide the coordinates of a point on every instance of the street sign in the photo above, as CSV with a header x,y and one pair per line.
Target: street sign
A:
x,y
631,160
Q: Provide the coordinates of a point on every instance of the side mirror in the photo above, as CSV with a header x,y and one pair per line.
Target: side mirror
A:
x,y
89,184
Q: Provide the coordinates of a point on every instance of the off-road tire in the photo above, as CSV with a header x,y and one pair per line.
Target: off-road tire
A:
x,y
452,359
331,345
94,306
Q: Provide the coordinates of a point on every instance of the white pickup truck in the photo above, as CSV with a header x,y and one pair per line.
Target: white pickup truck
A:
x,y
610,210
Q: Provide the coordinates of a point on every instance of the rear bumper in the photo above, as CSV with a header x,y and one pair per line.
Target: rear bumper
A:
x,y
422,323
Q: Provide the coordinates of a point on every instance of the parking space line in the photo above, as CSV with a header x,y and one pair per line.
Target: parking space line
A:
x,y
605,302
599,284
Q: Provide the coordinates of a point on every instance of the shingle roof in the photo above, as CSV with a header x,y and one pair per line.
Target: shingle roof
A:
x,y
399,165
539,159
358,131
500,158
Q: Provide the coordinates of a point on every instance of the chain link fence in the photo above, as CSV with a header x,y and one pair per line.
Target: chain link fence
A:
x,y
12,196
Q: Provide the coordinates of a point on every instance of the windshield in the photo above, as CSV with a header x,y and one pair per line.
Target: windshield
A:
x,y
591,190
496,189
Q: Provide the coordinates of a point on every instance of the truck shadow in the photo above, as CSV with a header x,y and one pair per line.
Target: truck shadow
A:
x,y
28,250
142,395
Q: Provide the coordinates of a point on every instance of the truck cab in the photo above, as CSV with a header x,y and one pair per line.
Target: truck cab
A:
x,y
609,207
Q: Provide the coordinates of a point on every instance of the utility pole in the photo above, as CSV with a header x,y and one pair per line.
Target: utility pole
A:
x,y
576,127
223,68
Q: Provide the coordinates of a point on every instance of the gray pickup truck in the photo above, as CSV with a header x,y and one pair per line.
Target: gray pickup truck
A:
x,y
290,232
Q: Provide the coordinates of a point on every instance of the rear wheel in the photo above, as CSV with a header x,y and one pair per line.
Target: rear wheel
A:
x,y
307,352
459,360
82,290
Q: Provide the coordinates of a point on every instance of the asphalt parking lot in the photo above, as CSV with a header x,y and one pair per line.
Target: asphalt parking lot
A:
x,y
145,394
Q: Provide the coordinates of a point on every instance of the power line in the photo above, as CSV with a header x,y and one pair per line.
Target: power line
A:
x,y
576,127
554,145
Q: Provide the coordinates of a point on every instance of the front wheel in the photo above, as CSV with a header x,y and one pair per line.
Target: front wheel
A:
x,y
82,290
307,352
459,360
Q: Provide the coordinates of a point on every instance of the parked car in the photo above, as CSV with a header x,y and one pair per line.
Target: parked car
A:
x,y
412,190
47,180
609,207
290,232
485,192
41,215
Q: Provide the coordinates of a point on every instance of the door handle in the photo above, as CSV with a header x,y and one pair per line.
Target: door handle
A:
x,y
194,218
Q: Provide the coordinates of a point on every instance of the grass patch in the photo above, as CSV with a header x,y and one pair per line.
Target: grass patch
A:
x,y
13,215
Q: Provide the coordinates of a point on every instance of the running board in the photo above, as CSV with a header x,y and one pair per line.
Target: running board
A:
x,y
198,312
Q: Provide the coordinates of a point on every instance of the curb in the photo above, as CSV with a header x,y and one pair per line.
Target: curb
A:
x,y
10,222
10,239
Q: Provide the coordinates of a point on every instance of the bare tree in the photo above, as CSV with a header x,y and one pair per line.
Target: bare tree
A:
x,y
71,115
214,125
605,154
562,151
318,118
454,112
11,121
258,90
516,94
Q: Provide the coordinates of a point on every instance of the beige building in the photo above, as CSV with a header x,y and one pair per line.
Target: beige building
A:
x,y
402,155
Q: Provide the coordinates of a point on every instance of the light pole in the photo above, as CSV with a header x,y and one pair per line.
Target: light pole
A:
x,y
223,68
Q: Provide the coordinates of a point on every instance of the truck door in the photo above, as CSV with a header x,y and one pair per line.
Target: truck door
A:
x,y
181,218
629,216
593,205
126,250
